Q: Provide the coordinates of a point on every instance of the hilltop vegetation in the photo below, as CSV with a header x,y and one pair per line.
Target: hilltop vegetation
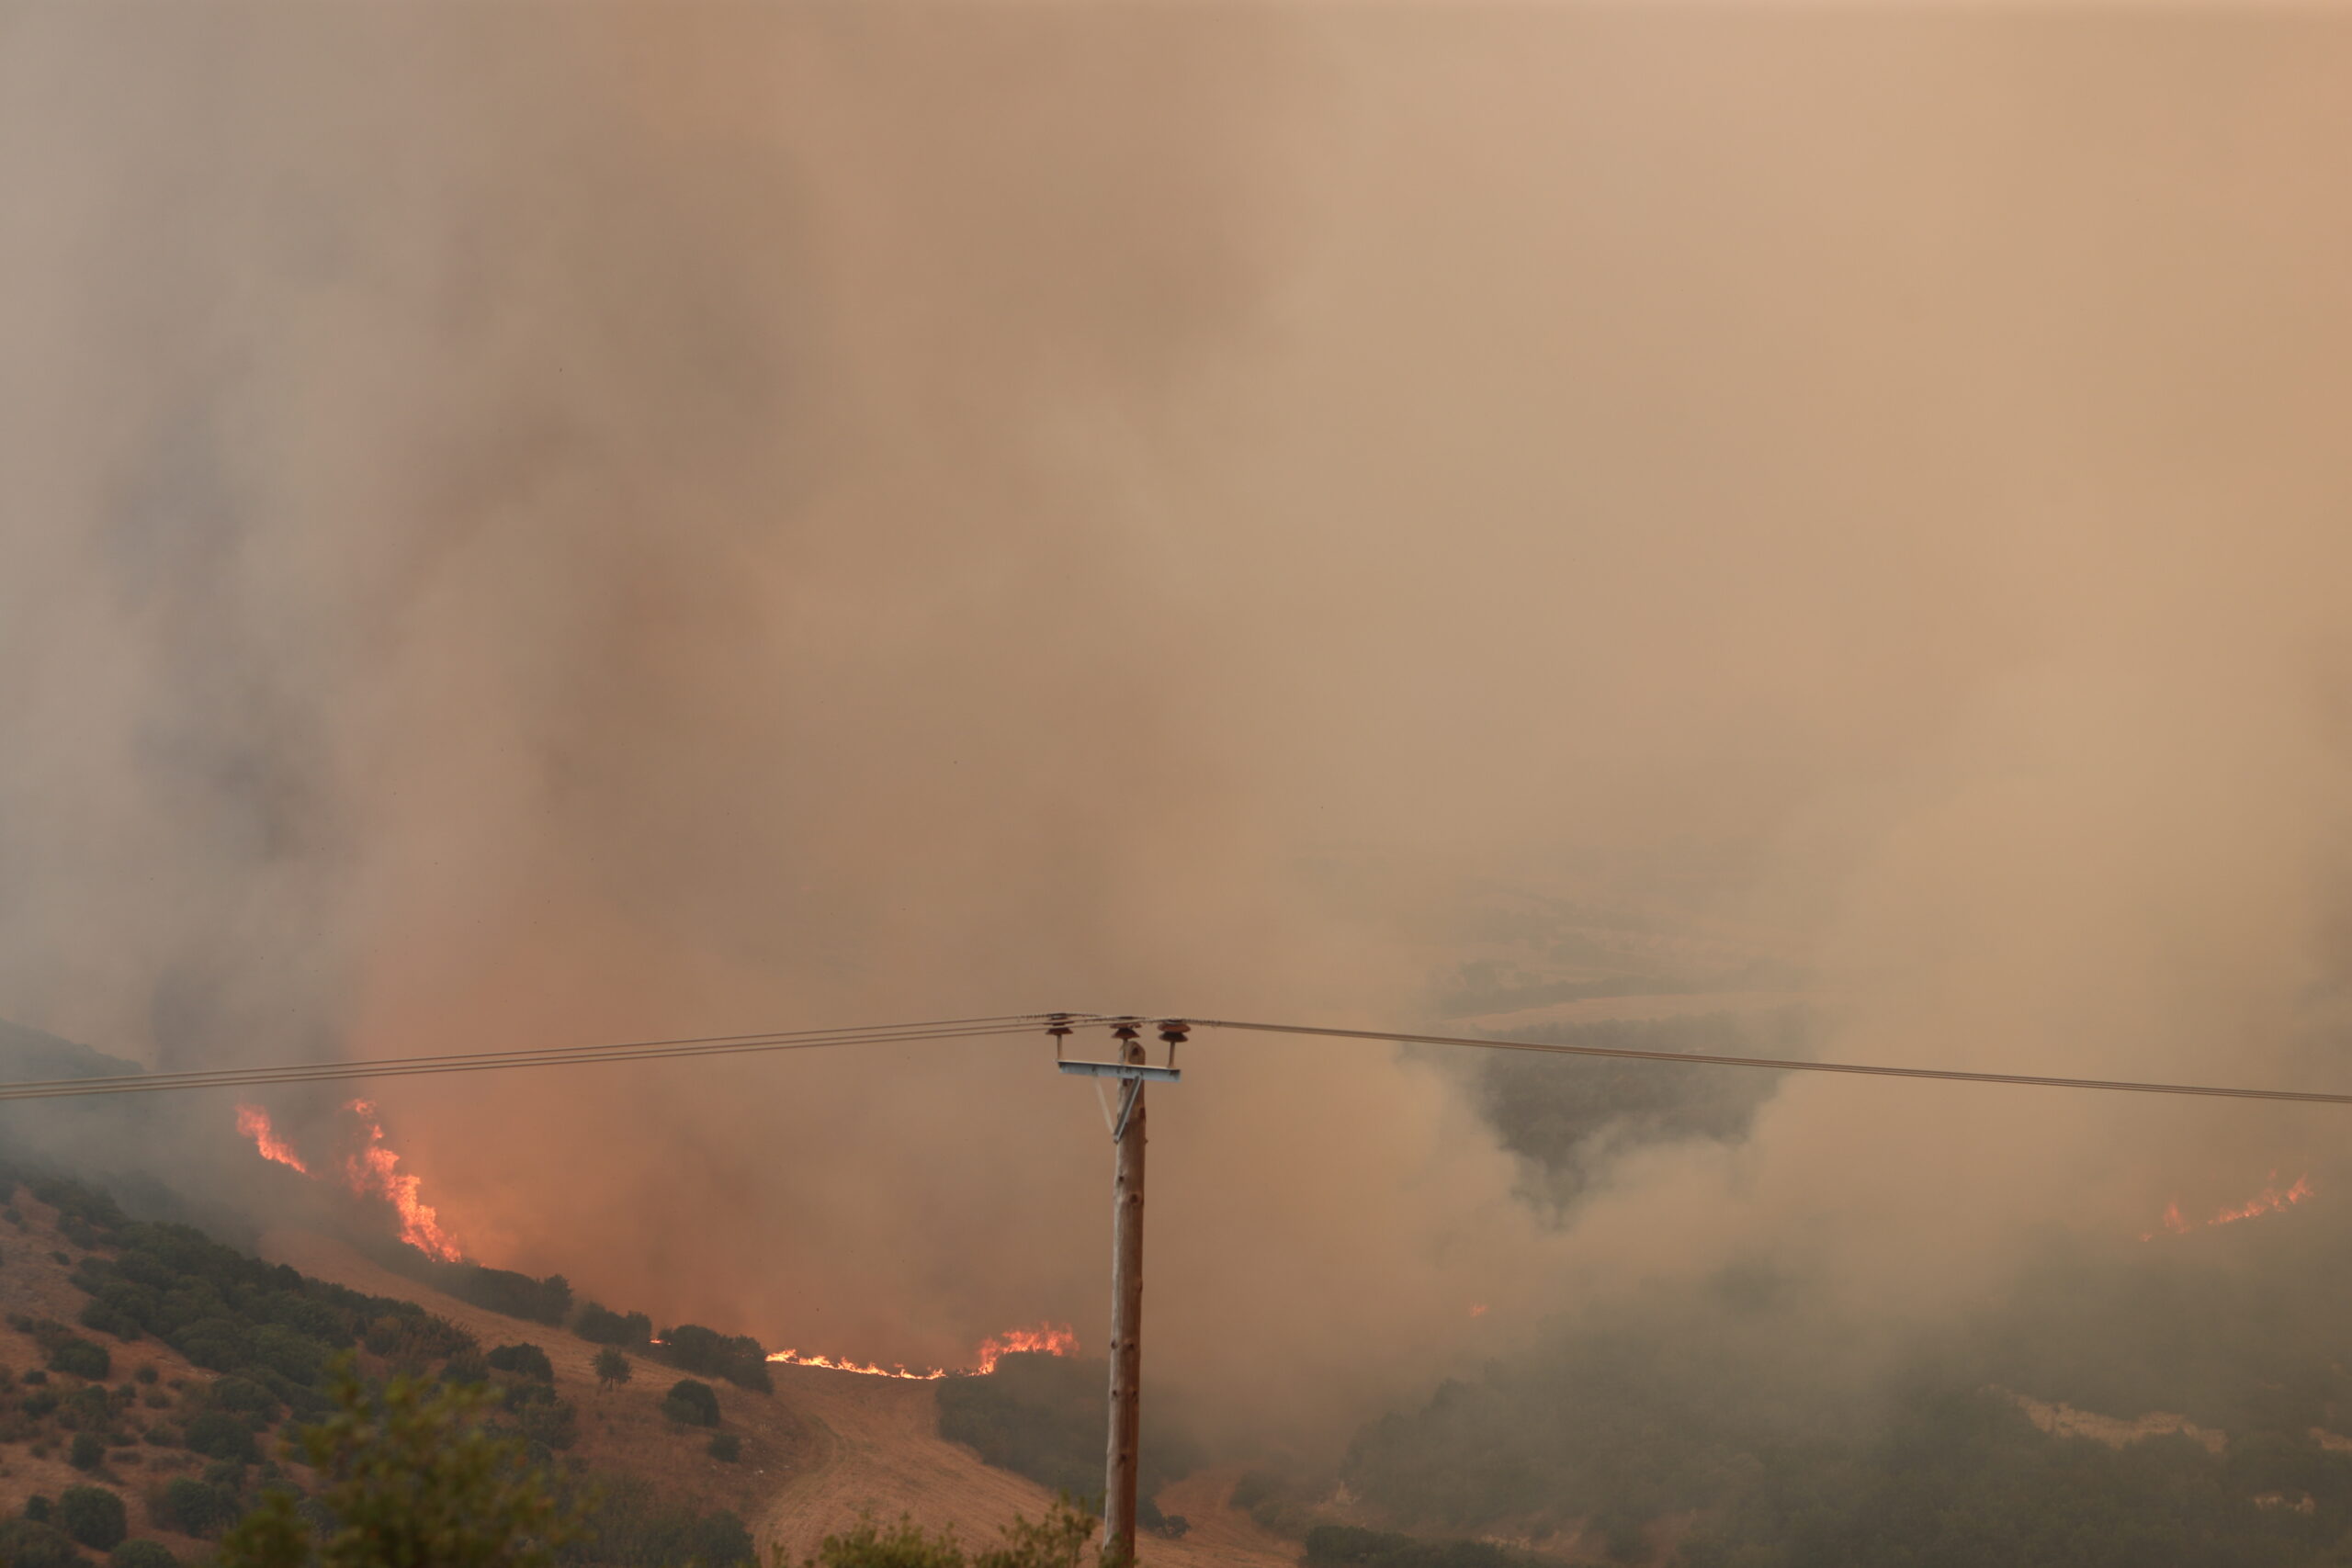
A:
x,y
1727,1430
220,1357
1044,1416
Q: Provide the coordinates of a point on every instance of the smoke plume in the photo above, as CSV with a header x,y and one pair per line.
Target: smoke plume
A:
x,y
572,525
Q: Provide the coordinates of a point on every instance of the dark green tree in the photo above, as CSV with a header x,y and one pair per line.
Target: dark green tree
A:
x,y
413,1479
695,1404
613,1368
93,1516
25,1543
525,1361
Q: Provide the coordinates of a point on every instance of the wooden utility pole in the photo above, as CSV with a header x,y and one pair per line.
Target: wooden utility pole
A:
x,y
1126,1317
1121,1462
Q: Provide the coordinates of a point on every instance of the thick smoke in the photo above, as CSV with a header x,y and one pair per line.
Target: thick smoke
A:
x,y
573,525
569,524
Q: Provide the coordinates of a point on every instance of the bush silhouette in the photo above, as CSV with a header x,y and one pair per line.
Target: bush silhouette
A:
x,y
93,1516
692,1403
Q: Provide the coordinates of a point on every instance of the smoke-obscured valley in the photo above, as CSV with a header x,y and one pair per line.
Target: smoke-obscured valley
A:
x,y
1759,531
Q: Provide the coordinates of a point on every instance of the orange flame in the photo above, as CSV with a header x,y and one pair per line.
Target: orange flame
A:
x,y
795,1358
254,1122
2271,1200
375,1171
1045,1337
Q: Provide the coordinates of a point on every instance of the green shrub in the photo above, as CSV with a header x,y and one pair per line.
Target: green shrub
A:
x,y
86,1410
142,1555
217,1343
631,1528
146,1374
600,1325
1058,1540
553,1422
39,1403
523,1361
93,1516
409,1475
726,1447
737,1357
193,1508
1347,1546
241,1394
87,1452
501,1290
81,1358
1043,1417
102,1318
693,1403
38,1508
216,1434
26,1543
289,1354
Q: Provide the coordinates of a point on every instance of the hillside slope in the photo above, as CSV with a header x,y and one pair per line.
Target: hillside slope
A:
x,y
823,1448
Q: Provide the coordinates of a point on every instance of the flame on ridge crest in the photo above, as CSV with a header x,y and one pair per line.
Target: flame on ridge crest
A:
x,y
1046,1338
2273,1198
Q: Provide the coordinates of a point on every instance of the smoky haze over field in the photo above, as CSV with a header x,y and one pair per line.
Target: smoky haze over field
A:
x,y
571,525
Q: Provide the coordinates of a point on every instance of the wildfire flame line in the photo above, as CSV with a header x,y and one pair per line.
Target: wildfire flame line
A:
x,y
376,1168
253,1121
2271,1200
372,1171
1045,1338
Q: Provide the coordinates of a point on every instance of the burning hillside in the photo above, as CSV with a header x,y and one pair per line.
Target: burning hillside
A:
x,y
2273,1198
371,1170
370,1166
1044,1339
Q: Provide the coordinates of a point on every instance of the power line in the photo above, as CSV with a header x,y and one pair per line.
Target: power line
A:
x,y
1694,1058
546,1056
1025,1023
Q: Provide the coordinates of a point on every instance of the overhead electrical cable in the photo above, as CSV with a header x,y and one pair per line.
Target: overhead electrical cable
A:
x,y
1782,1064
1060,1022
546,1056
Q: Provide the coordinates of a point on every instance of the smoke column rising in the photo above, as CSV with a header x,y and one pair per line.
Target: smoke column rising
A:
x,y
574,525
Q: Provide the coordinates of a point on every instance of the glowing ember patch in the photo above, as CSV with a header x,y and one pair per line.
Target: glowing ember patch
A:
x,y
375,1171
1478,1309
1045,1338
2271,1200
254,1122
